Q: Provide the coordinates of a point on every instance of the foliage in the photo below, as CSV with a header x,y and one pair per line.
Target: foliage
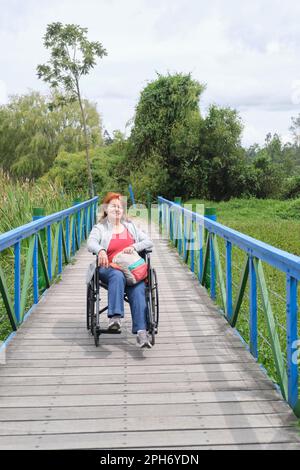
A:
x,y
268,177
220,145
151,177
17,200
292,187
72,56
69,170
31,135
166,108
295,130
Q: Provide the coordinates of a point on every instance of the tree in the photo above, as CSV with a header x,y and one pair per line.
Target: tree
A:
x,y
31,135
68,171
269,178
220,146
295,130
167,110
72,56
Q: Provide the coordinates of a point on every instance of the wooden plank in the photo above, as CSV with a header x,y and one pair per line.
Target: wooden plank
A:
x,y
134,398
156,439
166,409
151,361
98,354
130,378
107,411
151,423
183,348
95,370
125,387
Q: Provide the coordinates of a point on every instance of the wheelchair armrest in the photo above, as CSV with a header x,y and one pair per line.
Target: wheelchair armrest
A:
x,y
145,252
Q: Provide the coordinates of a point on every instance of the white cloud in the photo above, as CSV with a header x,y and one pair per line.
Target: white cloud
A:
x,y
246,53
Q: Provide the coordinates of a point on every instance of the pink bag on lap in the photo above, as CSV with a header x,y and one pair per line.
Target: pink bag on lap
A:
x,y
132,265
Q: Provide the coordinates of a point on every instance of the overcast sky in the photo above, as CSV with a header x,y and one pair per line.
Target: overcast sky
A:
x,y
247,53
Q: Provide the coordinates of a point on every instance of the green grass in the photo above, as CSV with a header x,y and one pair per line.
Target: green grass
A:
x,y
272,221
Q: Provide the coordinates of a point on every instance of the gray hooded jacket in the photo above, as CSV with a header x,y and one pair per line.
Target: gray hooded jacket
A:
x,y
101,235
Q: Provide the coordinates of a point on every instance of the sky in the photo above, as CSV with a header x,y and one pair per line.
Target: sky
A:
x,y
247,54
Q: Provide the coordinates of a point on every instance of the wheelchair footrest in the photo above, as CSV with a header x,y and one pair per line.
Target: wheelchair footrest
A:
x,y
109,332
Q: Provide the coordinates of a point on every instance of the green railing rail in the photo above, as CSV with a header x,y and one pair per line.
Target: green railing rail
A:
x,y
39,250
198,240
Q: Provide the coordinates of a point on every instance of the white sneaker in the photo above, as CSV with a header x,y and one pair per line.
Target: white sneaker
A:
x,y
142,339
114,323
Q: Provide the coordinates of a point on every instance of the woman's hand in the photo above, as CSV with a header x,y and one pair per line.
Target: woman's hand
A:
x,y
103,259
128,249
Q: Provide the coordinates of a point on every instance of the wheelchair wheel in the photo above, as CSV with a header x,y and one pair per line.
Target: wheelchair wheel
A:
x,y
153,305
155,301
90,305
95,331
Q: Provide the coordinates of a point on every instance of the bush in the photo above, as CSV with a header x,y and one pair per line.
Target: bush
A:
x,y
292,188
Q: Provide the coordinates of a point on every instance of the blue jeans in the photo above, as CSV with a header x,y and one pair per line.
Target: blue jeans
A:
x,y
116,282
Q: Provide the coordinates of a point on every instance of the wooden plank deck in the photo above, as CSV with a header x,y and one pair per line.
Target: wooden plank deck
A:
x,y
198,388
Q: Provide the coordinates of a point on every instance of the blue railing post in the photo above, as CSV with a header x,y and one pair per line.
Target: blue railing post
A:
x,y
211,214
68,235
131,195
39,213
76,226
212,268
86,228
35,271
292,343
49,252
171,223
160,221
95,212
177,231
193,239
200,260
17,252
180,241
229,279
253,308
60,263
184,236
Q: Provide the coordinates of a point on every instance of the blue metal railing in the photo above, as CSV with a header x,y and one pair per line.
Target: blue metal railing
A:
x,y
174,220
65,231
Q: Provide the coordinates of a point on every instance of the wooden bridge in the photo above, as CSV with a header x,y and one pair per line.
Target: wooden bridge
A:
x,y
198,388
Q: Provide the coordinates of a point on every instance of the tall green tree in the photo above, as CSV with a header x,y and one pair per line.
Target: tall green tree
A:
x,y
161,129
220,146
72,56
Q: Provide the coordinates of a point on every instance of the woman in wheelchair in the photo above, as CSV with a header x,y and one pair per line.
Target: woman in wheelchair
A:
x,y
115,233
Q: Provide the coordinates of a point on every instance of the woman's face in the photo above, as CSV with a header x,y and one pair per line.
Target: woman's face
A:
x,y
114,210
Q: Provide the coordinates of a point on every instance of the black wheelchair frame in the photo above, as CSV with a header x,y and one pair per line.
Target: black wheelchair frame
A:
x,y
93,299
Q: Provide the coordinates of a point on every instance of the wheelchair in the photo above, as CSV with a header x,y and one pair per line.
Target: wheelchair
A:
x,y
93,299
